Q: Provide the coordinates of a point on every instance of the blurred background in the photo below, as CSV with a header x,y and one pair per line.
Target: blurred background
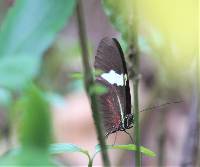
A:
x,y
168,43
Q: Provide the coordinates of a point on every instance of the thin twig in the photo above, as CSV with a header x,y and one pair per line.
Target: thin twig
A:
x,y
160,106
89,82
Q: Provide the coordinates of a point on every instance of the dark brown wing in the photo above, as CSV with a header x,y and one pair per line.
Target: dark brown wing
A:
x,y
117,100
110,106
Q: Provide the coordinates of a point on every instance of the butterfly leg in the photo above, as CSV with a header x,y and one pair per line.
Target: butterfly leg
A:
x,y
129,136
110,131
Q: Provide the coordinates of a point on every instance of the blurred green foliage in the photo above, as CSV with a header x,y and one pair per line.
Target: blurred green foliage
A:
x,y
35,130
29,29
16,71
61,65
5,97
98,89
123,16
67,148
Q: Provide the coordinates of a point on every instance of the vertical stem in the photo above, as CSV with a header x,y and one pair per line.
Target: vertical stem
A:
x,y
89,82
196,149
137,123
134,56
198,100
134,73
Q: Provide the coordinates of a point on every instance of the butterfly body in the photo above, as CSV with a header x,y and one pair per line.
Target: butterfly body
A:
x,y
115,105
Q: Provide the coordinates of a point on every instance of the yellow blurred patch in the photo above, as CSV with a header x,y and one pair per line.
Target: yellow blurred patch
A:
x,y
177,23
170,29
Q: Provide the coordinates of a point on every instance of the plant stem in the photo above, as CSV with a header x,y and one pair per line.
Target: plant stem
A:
x,y
197,161
90,161
134,73
137,121
89,82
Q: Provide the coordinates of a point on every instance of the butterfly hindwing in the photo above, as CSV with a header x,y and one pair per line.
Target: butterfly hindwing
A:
x,y
116,103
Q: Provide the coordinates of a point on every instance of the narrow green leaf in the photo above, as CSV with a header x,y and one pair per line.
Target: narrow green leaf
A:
x,y
132,147
65,147
128,147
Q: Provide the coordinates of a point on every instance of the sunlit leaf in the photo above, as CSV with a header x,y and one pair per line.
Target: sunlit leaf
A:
x,y
173,41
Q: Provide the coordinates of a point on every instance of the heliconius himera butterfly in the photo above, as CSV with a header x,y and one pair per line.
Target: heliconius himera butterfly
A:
x,y
115,105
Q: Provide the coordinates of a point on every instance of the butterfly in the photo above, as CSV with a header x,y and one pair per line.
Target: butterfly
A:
x,y
115,104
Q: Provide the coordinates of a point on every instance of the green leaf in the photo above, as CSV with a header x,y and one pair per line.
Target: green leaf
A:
x,y
35,124
98,72
98,89
79,75
129,147
31,26
15,72
29,29
132,147
76,75
65,147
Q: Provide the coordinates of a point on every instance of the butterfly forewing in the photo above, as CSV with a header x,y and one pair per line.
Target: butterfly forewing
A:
x,y
116,103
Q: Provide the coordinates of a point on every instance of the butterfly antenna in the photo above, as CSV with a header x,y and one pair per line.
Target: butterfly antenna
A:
x,y
129,136
161,106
